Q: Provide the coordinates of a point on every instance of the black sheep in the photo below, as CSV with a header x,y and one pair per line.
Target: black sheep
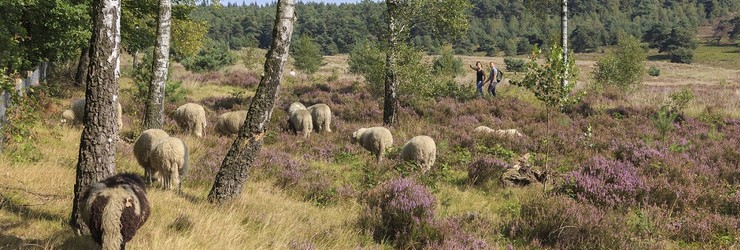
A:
x,y
114,209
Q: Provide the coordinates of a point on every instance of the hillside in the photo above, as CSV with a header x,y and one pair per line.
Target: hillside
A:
x,y
616,179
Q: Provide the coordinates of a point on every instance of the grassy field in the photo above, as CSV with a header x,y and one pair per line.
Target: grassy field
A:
x,y
322,207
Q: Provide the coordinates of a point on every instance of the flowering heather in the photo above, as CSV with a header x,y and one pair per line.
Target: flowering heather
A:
x,y
454,236
484,169
242,78
222,104
399,210
301,245
606,182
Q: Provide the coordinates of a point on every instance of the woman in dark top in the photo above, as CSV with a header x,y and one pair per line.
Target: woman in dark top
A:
x,y
479,76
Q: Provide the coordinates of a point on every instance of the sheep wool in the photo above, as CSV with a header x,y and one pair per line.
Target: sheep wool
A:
x,y
500,132
78,113
300,120
169,160
295,107
375,139
143,147
191,117
229,123
321,116
422,150
114,209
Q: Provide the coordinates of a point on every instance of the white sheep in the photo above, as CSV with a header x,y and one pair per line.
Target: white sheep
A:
x,y
421,150
77,113
376,139
144,146
295,107
300,120
229,123
500,132
321,116
114,209
191,117
169,159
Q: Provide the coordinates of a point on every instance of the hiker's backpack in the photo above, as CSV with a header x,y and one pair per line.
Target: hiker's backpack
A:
x,y
499,75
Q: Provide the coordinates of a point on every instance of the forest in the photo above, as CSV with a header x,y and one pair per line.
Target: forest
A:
x,y
508,27
396,124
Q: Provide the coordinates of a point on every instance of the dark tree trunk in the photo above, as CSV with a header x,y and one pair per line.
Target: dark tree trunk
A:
x,y
97,143
82,65
390,103
235,167
154,117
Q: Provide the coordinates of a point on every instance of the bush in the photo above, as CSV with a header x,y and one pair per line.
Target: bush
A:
x,y
485,169
682,55
213,56
401,211
605,182
654,71
515,64
307,55
173,92
368,60
680,100
623,66
447,65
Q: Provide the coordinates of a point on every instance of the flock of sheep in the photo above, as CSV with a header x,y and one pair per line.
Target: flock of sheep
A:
x,y
116,207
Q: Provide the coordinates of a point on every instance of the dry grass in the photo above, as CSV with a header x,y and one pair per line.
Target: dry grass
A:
x,y
36,197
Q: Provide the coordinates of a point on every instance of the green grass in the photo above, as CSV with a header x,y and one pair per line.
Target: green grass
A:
x,y
724,56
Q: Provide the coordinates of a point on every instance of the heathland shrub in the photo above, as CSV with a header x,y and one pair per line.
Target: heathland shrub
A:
x,y
654,71
447,64
682,55
623,66
605,182
484,169
401,211
515,64
564,223
212,56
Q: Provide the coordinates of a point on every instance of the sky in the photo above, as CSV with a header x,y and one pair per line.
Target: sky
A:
x,y
224,2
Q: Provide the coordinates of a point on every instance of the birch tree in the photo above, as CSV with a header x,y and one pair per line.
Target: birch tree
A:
x,y
155,101
236,164
445,16
96,159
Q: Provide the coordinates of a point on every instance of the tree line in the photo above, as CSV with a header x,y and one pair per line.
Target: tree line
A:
x,y
508,27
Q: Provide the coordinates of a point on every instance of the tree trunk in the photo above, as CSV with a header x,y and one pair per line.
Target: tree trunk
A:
x,y
236,164
99,136
154,117
390,103
564,44
135,62
82,65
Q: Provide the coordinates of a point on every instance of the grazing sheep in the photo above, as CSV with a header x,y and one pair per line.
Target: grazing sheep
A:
x,y
321,116
230,122
169,160
114,209
143,147
78,113
375,139
295,107
501,132
191,117
300,120
422,150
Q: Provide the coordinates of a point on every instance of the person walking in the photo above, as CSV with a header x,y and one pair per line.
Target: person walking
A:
x,y
479,76
493,79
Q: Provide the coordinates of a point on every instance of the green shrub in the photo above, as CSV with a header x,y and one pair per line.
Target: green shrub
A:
x,y
654,71
682,55
515,64
307,55
622,66
680,100
447,65
213,56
